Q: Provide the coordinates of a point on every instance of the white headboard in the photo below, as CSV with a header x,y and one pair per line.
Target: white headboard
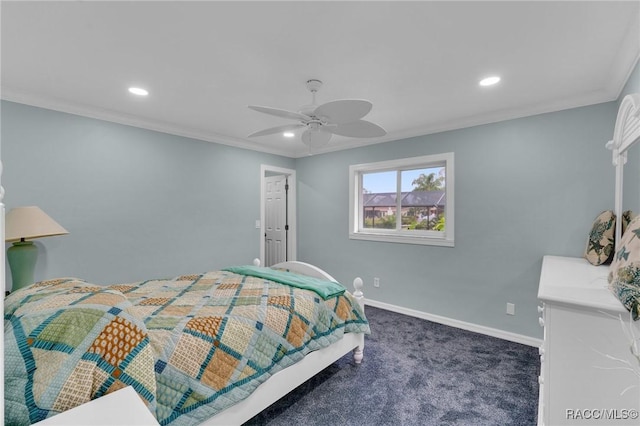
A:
x,y
625,134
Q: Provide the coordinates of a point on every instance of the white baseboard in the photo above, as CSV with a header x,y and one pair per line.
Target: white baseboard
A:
x,y
493,332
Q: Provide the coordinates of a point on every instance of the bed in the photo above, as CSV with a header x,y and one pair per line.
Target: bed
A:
x,y
212,348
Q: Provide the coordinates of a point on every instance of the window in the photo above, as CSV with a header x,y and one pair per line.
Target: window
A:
x,y
403,201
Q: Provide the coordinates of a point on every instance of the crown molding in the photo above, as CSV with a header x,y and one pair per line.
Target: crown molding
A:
x,y
594,97
131,120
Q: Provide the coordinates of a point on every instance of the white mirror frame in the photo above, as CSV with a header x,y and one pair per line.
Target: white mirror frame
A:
x,y
625,134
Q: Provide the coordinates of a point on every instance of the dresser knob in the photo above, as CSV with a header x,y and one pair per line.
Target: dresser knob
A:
x,y
541,350
540,309
540,380
541,322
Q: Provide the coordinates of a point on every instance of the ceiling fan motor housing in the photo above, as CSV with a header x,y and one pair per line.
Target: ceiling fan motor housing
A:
x,y
308,109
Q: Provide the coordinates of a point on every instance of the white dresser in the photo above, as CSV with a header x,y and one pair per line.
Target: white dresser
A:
x,y
580,382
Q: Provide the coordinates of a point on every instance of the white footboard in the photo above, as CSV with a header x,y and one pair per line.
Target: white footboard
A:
x,y
288,379
313,271
301,268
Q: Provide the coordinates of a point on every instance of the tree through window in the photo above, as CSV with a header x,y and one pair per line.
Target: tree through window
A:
x,y
407,200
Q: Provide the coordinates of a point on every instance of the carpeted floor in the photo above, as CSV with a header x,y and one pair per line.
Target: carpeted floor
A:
x,y
416,372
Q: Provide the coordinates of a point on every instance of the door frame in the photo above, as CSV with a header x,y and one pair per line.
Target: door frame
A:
x,y
291,210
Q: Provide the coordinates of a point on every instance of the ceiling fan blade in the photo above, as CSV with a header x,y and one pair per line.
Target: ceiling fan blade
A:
x,y
280,113
315,138
343,111
358,129
277,129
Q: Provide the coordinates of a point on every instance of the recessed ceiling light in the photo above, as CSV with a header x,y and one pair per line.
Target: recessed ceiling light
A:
x,y
138,91
489,81
288,134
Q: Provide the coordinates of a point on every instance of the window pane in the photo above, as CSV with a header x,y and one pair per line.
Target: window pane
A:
x,y
423,199
389,200
379,200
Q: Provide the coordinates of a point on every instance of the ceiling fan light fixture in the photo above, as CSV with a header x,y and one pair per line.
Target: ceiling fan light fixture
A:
x,y
288,134
315,139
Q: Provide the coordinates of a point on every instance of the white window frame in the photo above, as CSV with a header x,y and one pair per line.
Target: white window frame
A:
x,y
436,238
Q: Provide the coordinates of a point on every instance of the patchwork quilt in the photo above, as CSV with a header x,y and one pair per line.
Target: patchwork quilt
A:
x,y
190,346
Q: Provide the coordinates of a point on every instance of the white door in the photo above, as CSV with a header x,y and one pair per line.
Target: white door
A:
x,y
275,236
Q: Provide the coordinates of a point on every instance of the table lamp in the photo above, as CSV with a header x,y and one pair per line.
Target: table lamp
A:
x,y
21,224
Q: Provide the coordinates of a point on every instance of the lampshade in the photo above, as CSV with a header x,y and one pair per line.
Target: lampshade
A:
x,y
29,223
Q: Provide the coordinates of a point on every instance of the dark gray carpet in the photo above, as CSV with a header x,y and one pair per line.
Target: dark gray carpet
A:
x,y
416,372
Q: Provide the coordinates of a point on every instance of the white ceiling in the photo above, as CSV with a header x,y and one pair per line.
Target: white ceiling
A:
x,y
417,62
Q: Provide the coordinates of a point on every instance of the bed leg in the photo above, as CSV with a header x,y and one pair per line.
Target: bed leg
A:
x,y
358,352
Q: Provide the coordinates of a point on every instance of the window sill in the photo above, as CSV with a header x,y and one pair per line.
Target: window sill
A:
x,y
401,239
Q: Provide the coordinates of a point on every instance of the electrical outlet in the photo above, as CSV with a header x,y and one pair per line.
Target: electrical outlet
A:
x,y
376,282
511,309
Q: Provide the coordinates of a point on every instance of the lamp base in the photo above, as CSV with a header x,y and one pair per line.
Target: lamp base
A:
x,y
22,256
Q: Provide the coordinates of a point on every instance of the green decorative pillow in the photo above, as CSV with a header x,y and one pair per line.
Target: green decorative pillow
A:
x,y
624,272
627,217
600,245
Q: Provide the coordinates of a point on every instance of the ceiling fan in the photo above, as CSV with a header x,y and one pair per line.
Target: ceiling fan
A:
x,y
342,117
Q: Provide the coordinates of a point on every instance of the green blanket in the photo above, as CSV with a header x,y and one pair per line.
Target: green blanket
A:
x,y
323,288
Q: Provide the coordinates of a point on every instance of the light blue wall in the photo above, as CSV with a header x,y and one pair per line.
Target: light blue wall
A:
x,y
524,188
137,204
141,204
